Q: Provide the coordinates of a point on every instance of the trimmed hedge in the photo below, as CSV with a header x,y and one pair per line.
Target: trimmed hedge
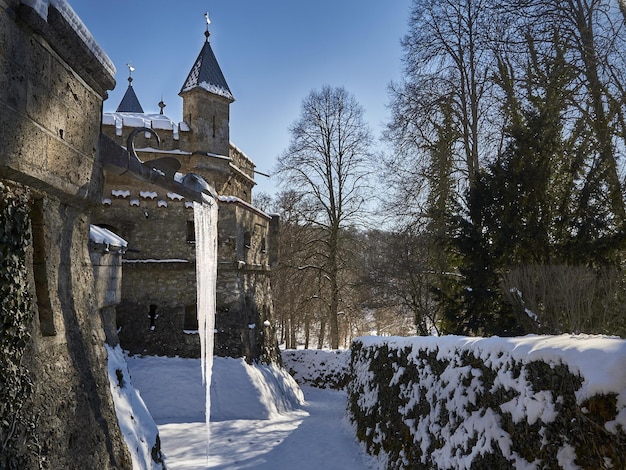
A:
x,y
318,368
474,403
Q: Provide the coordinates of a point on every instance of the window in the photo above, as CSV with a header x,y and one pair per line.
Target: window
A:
x,y
190,322
191,232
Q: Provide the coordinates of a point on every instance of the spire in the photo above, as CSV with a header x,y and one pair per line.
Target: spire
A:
x,y
206,73
129,103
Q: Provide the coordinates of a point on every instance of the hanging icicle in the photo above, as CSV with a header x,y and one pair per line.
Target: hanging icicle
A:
x,y
205,222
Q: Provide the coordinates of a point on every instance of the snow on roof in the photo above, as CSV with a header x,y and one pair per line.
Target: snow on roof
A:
x,y
213,88
243,154
156,150
106,237
155,121
41,7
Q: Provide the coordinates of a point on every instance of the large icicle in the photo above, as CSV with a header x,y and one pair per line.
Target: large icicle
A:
x,y
205,221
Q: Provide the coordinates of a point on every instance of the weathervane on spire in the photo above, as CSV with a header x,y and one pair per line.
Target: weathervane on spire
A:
x,y
131,69
208,22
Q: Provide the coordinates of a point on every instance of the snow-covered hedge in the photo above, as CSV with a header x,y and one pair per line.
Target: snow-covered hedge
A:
x,y
318,368
454,402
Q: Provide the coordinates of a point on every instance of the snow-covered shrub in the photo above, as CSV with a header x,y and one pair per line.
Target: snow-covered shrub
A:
x,y
453,402
318,368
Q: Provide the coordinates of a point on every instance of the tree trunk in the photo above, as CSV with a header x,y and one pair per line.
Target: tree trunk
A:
x,y
292,330
307,331
333,274
322,335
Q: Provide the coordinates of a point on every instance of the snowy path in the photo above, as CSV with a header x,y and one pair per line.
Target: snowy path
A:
x,y
247,430
315,438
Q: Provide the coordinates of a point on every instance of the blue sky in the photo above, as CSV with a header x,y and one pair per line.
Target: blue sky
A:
x,y
272,54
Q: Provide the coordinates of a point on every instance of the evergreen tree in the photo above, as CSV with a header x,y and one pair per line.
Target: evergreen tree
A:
x,y
528,189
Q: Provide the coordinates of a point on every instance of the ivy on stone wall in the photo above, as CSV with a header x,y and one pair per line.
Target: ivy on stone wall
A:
x,y
16,313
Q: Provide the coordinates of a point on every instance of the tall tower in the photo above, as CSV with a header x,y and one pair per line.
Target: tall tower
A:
x,y
206,103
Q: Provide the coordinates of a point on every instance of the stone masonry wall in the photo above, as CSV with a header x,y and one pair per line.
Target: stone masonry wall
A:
x,y
159,269
244,315
208,117
51,92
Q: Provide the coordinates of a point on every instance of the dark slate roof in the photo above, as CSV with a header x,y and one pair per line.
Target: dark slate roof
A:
x,y
207,75
129,103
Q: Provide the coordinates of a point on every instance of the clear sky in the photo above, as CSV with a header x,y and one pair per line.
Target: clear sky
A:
x,y
272,54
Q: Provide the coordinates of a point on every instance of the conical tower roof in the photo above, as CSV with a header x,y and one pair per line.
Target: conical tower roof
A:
x,y
130,102
206,74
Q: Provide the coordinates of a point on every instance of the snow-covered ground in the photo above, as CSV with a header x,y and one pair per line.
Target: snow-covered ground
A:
x,y
259,417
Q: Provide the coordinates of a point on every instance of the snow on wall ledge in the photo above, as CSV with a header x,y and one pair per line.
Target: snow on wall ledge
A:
x,y
455,402
41,7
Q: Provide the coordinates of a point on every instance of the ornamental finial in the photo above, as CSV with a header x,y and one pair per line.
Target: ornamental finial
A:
x,y
208,22
131,69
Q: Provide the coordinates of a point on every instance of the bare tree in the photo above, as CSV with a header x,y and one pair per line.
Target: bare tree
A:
x,y
397,275
328,161
295,288
447,66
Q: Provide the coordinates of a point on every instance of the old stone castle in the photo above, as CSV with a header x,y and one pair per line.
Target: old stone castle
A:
x,y
158,267
97,232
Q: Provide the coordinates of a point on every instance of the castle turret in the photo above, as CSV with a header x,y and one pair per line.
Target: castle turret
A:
x,y
130,102
206,103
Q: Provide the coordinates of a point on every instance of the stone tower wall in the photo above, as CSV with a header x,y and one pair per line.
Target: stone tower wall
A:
x,y
208,117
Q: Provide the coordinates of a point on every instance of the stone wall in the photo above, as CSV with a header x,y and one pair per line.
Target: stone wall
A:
x,y
51,91
107,270
76,421
244,313
159,269
208,117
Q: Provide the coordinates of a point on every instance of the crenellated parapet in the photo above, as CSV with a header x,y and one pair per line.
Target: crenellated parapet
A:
x,y
231,174
119,125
